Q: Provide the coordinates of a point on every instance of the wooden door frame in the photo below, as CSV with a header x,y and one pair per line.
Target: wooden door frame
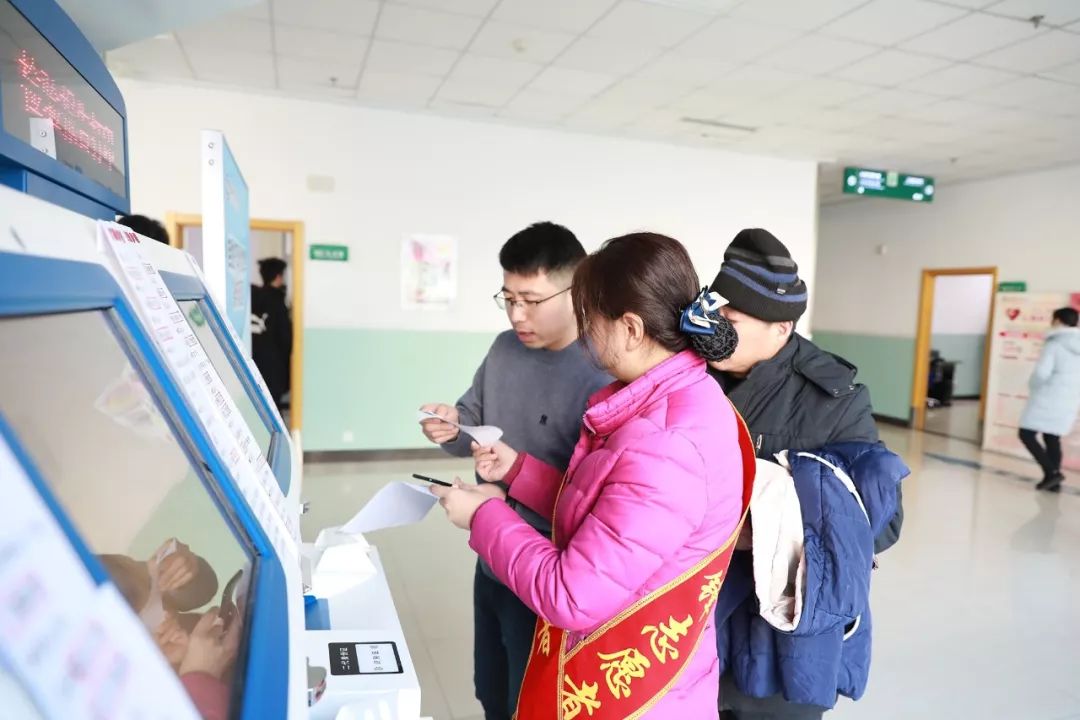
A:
x,y
923,339
175,224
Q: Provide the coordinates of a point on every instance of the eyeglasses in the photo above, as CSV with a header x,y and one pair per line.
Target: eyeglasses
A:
x,y
505,303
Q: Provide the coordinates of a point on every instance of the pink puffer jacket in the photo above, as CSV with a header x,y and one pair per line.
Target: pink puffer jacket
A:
x,y
653,487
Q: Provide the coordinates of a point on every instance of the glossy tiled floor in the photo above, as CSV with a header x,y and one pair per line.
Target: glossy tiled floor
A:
x,y
976,611
959,420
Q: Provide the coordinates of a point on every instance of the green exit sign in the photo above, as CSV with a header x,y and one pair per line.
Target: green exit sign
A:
x,y
888,184
334,253
1015,286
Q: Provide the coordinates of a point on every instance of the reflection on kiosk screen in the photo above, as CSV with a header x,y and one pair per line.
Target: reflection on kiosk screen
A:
x,y
93,428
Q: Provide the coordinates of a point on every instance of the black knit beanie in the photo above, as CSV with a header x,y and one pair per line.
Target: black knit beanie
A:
x,y
759,278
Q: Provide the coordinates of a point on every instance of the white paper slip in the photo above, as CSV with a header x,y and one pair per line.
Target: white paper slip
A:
x,y
394,505
485,435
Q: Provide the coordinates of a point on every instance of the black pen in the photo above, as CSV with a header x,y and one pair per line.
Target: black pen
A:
x,y
425,478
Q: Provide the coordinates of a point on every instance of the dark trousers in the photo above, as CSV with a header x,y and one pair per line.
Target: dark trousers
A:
x,y
1049,458
737,706
504,629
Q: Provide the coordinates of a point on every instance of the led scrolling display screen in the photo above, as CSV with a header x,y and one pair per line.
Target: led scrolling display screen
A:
x,y
48,105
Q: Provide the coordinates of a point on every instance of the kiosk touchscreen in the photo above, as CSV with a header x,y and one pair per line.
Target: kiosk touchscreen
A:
x,y
129,481
261,426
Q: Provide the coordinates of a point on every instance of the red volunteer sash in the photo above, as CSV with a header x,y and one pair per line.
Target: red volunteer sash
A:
x,y
620,671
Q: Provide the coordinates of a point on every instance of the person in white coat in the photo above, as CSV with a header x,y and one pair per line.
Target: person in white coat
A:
x,y
1054,401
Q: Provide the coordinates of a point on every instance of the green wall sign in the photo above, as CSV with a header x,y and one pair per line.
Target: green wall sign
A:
x,y
333,253
1018,286
888,184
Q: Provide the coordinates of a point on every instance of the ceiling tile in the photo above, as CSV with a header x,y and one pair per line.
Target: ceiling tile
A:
x,y
642,93
1044,52
462,108
1017,93
158,57
236,34
426,27
233,67
476,8
904,130
887,22
890,102
540,107
889,68
472,92
317,44
971,4
795,15
971,36
958,79
947,111
1057,12
815,54
304,72
821,93
519,42
349,17
757,115
573,16
606,56
397,88
755,81
1003,120
1068,73
706,104
1064,102
393,57
593,121
732,40
684,72
512,74
566,81
603,116
739,89
832,120
648,24
258,11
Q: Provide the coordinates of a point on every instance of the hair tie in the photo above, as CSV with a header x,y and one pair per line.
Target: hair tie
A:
x,y
711,334
702,316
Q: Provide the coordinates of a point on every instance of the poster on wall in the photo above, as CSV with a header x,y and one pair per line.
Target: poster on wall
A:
x,y
225,253
428,271
1021,323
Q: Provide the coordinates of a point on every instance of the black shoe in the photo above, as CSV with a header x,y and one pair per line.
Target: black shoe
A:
x,y
1052,483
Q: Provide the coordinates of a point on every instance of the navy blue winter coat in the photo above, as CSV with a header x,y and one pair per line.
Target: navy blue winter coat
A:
x,y
829,651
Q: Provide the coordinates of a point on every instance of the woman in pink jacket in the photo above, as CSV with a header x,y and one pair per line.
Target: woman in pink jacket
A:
x,y
646,513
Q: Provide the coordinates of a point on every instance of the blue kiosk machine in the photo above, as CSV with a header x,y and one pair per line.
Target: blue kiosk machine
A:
x,y
150,559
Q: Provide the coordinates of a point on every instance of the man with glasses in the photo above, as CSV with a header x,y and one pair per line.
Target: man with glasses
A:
x,y
534,384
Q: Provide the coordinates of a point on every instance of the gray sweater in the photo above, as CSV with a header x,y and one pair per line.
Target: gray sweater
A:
x,y
537,397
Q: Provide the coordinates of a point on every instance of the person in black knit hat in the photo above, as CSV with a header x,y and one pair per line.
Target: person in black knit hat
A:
x,y
792,395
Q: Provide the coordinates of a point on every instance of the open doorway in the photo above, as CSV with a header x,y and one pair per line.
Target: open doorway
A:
x,y
269,238
953,351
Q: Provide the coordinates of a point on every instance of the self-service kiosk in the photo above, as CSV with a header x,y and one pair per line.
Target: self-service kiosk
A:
x,y
151,566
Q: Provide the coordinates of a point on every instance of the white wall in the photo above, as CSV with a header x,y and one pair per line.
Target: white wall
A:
x,y
962,304
399,173
1027,225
